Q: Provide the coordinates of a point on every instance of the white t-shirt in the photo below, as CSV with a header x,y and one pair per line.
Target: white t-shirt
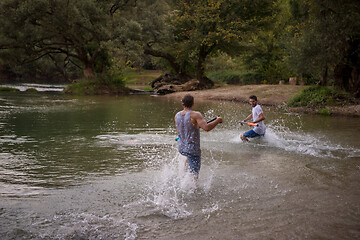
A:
x,y
256,111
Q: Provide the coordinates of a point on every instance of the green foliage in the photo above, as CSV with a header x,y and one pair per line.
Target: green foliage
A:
x,y
102,61
327,35
144,77
273,72
236,41
203,27
31,90
326,112
198,30
235,77
103,84
223,62
8,89
318,96
69,32
266,54
145,25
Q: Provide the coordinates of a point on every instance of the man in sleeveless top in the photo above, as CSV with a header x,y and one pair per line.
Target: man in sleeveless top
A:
x,y
188,123
258,117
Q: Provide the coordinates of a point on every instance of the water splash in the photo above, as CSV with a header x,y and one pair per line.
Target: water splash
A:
x,y
281,137
171,186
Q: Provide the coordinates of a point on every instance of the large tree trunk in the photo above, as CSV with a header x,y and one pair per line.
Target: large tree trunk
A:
x,y
88,70
204,82
355,79
347,72
324,78
180,77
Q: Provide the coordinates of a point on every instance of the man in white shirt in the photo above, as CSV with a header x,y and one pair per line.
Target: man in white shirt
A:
x,y
258,118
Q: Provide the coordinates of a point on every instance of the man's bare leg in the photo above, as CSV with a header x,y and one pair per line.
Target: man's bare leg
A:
x,y
244,139
186,164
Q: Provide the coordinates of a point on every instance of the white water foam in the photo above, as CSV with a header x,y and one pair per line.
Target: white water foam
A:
x,y
298,142
173,187
86,226
304,143
172,184
39,87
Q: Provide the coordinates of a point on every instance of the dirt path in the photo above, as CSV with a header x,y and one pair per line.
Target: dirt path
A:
x,y
267,94
273,95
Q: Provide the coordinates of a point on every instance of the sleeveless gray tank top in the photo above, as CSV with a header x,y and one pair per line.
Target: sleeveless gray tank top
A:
x,y
189,141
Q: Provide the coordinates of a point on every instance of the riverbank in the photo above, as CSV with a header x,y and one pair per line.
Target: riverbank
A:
x,y
270,95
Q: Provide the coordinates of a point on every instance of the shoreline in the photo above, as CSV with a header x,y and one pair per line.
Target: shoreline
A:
x,y
268,95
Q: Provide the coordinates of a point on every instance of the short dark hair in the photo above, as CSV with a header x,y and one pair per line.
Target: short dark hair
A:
x,y
188,101
253,97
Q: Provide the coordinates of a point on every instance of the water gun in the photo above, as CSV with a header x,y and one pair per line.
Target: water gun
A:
x,y
250,124
177,139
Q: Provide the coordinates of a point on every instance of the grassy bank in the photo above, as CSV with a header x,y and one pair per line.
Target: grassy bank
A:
x,y
317,96
9,89
322,100
141,79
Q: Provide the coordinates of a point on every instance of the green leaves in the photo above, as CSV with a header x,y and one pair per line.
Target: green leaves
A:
x,y
318,96
77,30
207,27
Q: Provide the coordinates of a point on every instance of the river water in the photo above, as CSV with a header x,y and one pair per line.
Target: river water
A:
x,y
108,168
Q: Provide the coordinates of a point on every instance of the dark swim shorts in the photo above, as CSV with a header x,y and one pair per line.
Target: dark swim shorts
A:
x,y
194,163
251,134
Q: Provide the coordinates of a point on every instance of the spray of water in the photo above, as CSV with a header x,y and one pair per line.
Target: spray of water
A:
x,y
172,186
281,137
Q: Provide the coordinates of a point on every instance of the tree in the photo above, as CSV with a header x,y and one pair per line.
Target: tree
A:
x,y
328,42
265,54
203,28
76,30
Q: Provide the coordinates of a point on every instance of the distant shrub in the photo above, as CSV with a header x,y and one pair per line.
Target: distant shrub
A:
x,y
103,84
325,112
319,96
31,90
235,77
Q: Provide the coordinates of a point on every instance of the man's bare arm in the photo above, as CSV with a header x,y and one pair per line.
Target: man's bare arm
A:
x,y
261,118
175,123
203,124
248,117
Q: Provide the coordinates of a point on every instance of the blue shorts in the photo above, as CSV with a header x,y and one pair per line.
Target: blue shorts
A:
x,y
194,162
251,134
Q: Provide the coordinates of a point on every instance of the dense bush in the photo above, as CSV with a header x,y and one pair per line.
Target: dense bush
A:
x,y
103,84
319,96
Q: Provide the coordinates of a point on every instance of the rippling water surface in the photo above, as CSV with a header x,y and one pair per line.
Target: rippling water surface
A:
x,y
108,168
